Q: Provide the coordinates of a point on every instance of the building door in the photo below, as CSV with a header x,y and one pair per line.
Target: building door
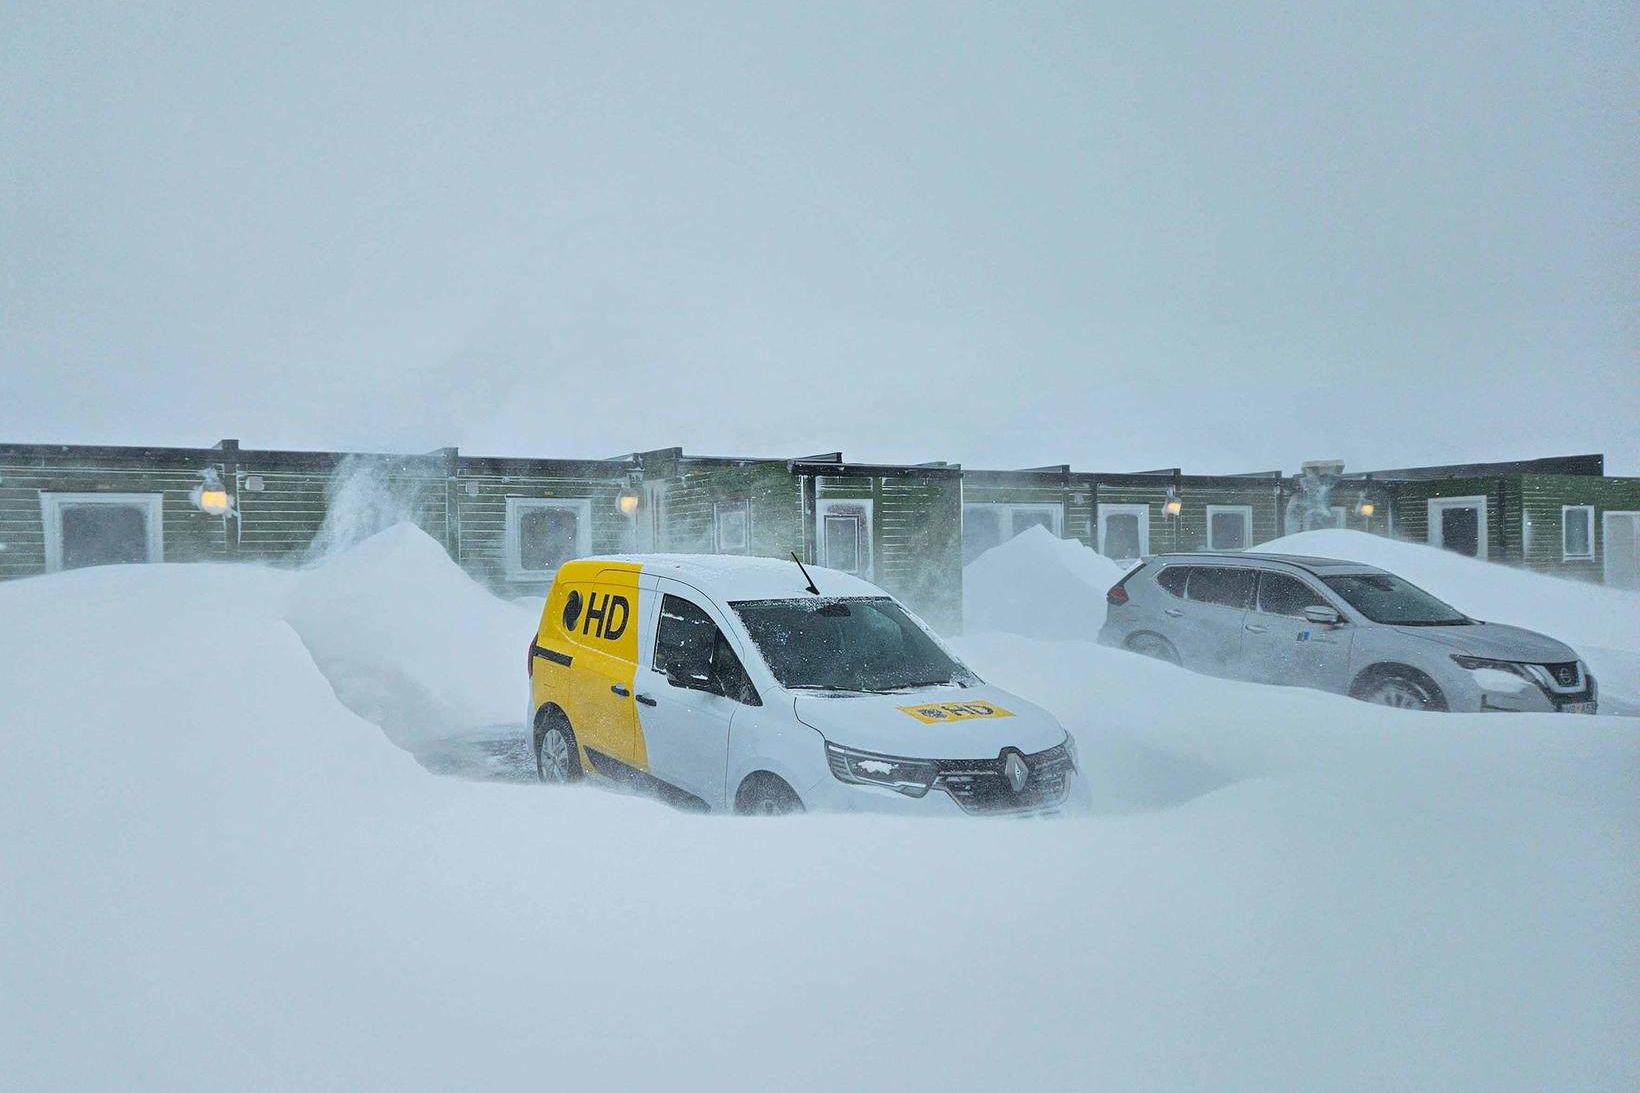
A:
x,y
1458,524
87,529
843,536
1622,546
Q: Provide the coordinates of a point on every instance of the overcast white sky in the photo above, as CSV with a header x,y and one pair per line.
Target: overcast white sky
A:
x,y
1228,236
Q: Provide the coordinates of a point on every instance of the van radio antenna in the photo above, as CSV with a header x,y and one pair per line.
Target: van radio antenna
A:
x,y
805,570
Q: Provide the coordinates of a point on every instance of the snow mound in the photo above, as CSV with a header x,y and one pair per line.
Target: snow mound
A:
x,y
1602,624
1038,585
219,877
410,642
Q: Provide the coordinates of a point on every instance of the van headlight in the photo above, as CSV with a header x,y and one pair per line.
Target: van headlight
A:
x,y
912,777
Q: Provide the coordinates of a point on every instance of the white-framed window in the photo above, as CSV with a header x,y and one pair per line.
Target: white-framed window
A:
x,y
986,524
732,527
1124,531
1340,516
1577,533
86,529
843,535
1229,527
544,533
1458,524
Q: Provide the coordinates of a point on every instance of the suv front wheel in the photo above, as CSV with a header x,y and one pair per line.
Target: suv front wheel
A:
x,y
1402,690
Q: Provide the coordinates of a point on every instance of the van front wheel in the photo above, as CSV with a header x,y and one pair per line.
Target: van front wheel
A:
x,y
557,758
765,794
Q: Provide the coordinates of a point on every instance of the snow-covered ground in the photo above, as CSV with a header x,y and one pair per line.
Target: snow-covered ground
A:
x,y
220,874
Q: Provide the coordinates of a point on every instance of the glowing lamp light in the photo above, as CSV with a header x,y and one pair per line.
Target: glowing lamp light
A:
x,y
1365,508
1172,506
627,501
214,502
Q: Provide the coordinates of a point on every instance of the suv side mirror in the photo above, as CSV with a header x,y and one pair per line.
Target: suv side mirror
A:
x,y
1322,615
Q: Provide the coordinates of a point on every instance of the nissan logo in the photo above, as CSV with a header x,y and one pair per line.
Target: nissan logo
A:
x,y
1568,675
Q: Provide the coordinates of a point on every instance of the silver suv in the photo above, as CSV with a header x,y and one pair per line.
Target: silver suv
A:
x,y
1337,626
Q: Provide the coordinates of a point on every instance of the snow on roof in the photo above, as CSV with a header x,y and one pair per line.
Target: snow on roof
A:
x,y
739,577
1305,561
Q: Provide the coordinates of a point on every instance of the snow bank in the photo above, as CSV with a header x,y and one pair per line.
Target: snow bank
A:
x,y
412,643
1602,624
220,877
1039,585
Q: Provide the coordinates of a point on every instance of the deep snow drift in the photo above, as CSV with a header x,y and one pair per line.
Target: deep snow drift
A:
x,y
219,877
1039,584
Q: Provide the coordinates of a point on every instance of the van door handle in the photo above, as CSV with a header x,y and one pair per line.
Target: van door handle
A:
x,y
646,700
1255,628
1173,612
620,690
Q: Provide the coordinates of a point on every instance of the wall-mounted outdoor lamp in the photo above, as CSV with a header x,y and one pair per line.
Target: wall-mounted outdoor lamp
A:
x,y
211,496
1365,508
627,501
1172,506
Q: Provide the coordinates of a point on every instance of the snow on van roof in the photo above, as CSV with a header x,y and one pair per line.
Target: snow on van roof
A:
x,y
740,577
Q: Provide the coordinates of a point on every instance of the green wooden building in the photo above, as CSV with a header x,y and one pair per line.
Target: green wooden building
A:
x,y
510,522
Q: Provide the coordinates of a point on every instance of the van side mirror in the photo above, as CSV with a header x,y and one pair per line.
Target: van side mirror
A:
x,y
1322,615
679,675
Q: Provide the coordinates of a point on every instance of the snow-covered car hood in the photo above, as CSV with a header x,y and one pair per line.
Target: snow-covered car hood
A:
x,y
933,723
1496,641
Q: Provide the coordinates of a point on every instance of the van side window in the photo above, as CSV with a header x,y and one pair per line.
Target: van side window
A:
x,y
1222,585
689,644
1172,579
1282,594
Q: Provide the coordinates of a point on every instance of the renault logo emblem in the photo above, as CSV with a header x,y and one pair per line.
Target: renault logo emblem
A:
x,y
1016,770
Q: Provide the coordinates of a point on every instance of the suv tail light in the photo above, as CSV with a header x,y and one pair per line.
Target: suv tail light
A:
x,y
1117,595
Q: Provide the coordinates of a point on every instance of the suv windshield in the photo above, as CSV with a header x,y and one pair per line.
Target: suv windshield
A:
x,y
1385,598
855,644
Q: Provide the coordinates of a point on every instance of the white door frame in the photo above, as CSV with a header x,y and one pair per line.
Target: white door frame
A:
x,y
1605,539
1438,505
1142,511
51,515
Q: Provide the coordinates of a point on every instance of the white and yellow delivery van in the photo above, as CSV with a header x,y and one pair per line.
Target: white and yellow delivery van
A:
x,y
756,685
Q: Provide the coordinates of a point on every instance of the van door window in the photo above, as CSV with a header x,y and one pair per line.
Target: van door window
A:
x,y
1222,585
1282,594
689,646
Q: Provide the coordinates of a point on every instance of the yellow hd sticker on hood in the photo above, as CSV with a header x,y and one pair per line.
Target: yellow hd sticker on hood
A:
x,y
933,713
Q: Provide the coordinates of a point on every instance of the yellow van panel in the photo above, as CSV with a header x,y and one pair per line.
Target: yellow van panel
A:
x,y
591,616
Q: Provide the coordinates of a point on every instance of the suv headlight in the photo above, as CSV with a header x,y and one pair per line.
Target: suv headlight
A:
x,y
1532,673
1070,750
912,777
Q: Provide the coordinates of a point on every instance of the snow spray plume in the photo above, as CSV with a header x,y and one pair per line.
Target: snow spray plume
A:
x,y
366,495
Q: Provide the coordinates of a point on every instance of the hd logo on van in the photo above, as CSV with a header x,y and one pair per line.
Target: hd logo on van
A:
x,y
935,713
605,616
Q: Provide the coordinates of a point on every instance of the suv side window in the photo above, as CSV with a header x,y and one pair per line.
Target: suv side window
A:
x,y
1225,586
1284,594
1172,579
689,644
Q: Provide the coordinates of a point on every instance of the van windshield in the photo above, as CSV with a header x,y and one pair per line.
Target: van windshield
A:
x,y
1384,598
853,644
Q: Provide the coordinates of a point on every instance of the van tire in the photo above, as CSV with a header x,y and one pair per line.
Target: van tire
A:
x,y
765,794
557,754
1399,687
1153,645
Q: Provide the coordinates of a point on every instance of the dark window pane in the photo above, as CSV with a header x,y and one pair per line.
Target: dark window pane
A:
x,y
1025,519
981,530
684,639
103,535
1122,535
1281,594
1228,531
1460,531
1575,534
1222,585
546,538
1173,577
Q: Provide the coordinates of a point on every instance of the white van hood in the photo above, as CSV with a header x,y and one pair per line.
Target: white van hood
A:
x,y
931,723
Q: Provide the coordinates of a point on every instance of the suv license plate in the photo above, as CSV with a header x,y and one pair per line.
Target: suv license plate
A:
x,y
1578,707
